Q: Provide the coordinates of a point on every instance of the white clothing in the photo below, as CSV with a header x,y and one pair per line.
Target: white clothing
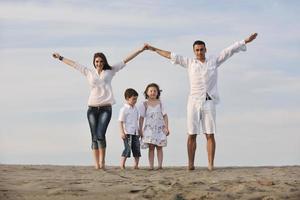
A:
x,y
203,78
201,118
101,90
129,116
153,125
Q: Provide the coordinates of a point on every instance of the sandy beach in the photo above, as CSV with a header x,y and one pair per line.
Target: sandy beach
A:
x,y
83,182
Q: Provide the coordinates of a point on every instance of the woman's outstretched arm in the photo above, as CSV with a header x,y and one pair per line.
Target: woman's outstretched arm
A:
x,y
134,54
63,59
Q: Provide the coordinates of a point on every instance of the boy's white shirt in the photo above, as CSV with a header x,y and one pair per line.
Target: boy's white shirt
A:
x,y
129,116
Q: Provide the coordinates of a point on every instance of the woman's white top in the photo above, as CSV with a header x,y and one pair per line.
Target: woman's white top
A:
x,y
100,84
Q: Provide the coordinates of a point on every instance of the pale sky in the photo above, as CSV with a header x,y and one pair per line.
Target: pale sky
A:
x,y
43,102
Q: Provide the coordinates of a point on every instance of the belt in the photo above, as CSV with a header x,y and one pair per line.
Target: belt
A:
x,y
208,97
102,106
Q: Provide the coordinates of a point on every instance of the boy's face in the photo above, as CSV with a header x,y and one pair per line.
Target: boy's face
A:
x,y
132,100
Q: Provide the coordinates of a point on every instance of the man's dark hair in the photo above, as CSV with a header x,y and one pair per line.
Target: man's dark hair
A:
x,y
130,93
198,42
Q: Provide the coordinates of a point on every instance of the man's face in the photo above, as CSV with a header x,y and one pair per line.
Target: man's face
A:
x,y
199,51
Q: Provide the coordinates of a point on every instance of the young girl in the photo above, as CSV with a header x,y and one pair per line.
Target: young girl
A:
x,y
153,124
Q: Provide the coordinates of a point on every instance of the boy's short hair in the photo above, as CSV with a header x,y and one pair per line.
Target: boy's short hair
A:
x,y
129,92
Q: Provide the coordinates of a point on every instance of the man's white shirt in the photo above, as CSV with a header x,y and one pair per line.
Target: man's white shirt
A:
x,y
203,77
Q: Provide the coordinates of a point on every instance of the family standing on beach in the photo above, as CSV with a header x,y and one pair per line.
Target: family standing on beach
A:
x,y
146,126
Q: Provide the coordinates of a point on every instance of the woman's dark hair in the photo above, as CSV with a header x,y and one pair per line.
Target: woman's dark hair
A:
x,y
102,56
152,85
130,93
199,42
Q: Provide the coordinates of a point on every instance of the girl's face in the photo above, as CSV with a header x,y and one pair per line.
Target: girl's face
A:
x,y
99,63
152,92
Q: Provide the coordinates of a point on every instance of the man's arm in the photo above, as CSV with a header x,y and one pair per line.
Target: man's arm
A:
x,y
250,38
235,48
166,54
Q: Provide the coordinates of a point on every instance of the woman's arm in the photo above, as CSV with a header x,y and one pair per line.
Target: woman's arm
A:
x,y
63,59
134,54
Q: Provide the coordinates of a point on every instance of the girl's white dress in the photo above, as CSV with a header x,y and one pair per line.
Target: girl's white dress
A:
x,y
153,125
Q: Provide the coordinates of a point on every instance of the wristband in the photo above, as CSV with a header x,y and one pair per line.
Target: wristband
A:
x,y
60,58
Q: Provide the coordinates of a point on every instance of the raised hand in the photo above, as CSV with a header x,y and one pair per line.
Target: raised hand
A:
x,y
55,55
251,38
149,47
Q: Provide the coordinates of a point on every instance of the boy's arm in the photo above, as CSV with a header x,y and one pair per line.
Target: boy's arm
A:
x,y
122,132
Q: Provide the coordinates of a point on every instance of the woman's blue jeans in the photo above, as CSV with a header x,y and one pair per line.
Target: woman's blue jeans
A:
x,y
99,118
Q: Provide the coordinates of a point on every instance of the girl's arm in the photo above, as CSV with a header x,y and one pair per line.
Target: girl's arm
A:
x,y
166,128
134,54
141,122
64,60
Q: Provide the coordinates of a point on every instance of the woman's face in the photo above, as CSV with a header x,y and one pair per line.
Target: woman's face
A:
x,y
99,63
152,92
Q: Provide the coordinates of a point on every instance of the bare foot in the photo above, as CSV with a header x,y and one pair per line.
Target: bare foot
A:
x,y
122,167
151,168
191,168
136,167
210,167
102,167
159,168
97,166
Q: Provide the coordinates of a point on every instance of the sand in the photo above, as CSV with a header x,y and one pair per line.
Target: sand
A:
x,y
83,182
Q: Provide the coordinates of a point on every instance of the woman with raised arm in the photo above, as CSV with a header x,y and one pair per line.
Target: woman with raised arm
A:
x,y
101,98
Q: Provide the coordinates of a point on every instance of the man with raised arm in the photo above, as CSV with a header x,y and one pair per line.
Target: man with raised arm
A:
x,y
203,77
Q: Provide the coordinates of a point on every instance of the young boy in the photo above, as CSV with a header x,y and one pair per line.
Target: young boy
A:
x,y
129,127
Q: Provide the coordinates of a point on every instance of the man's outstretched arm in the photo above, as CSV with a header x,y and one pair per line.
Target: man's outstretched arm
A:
x,y
250,38
233,49
166,54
